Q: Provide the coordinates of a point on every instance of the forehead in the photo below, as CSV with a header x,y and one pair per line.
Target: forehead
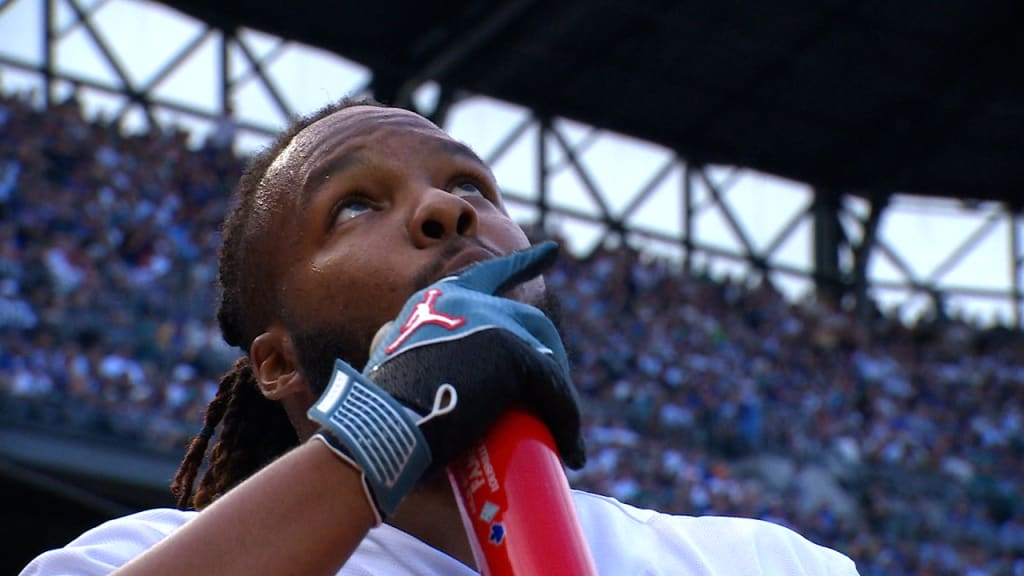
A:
x,y
358,122
351,126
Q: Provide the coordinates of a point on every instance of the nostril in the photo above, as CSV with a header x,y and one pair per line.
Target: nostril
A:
x,y
464,223
433,229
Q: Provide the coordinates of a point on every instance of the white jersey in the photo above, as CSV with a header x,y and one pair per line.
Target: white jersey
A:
x,y
624,540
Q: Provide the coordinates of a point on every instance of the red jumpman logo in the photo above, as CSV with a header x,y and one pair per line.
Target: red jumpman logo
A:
x,y
422,314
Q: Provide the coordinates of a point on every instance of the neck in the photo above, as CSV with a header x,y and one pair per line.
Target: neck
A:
x,y
431,514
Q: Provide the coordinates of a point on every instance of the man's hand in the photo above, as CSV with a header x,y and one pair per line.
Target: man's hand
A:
x,y
494,352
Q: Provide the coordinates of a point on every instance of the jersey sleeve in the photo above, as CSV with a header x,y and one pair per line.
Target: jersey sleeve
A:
x,y
108,546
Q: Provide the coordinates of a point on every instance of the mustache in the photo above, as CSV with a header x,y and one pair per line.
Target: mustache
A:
x,y
433,271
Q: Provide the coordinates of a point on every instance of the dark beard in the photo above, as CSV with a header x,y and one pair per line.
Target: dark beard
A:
x,y
319,347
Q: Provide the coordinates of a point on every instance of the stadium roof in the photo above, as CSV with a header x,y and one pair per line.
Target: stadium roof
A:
x,y
913,96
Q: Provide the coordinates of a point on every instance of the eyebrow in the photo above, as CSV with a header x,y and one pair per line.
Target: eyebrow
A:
x,y
337,165
357,156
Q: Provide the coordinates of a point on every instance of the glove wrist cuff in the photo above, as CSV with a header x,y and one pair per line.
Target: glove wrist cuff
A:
x,y
365,425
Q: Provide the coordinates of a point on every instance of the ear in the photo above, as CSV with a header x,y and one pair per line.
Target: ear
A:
x,y
275,364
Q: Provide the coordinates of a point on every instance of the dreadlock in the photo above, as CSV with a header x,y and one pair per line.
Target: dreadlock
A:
x,y
254,430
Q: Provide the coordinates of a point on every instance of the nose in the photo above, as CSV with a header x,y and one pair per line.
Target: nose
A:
x,y
440,215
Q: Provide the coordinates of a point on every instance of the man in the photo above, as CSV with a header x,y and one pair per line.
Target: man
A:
x,y
358,215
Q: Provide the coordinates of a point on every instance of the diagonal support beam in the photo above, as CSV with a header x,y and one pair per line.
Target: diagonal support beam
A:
x,y
787,230
112,59
257,67
580,147
588,181
735,172
730,218
979,234
893,256
176,61
106,88
709,201
652,184
4,4
268,58
77,20
687,218
173,64
506,143
49,49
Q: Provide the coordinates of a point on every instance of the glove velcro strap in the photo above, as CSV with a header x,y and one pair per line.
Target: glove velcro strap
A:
x,y
374,430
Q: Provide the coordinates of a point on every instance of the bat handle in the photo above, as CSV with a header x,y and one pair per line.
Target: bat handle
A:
x,y
516,504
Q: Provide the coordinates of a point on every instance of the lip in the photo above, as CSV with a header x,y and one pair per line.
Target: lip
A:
x,y
464,259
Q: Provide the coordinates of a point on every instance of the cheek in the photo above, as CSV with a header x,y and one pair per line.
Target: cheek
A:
x,y
352,289
370,286
502,232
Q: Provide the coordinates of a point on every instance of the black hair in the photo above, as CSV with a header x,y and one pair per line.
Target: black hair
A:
x,y
253,430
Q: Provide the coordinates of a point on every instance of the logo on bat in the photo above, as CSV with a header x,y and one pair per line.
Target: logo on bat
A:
x,y
489,511
497,533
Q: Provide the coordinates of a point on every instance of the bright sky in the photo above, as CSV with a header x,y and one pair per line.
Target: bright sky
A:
x,y
922,232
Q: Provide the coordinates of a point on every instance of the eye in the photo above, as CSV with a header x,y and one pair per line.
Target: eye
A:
x,y
350,208
463,189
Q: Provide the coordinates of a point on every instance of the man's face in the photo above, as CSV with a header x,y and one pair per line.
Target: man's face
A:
x,y
373,204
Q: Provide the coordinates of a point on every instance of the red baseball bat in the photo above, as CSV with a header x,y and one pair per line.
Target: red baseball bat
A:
x,y
516,505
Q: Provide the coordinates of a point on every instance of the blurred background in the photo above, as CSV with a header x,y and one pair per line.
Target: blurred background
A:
x,y
793,252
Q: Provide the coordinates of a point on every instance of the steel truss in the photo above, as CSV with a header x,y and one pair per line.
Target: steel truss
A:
x,y
847,238
143,94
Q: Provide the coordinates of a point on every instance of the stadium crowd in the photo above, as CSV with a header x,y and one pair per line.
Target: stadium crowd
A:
x,y
901,446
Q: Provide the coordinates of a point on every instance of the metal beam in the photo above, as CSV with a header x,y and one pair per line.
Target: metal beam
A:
x,y
897,260
172,64
506,143
268,58
176,61
589,185
77,20
49,50
580,147
651,234
787,230
965,248
649,188
225,72
4,4
448,59
156,102
863,251
257,67
731,220
828,238
957,289
114,62
543,205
